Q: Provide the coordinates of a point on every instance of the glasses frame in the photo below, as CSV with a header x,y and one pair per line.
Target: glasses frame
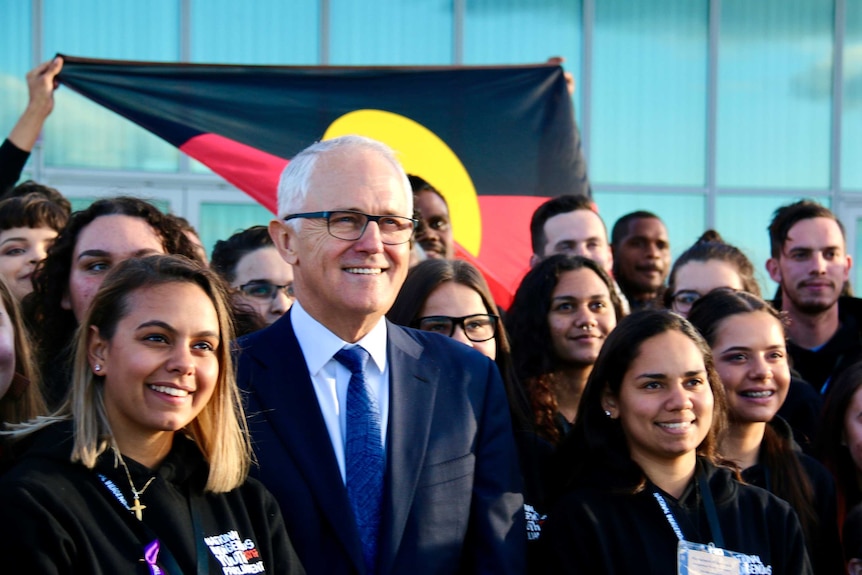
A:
x,y
459,321
687,307
287,289
368,218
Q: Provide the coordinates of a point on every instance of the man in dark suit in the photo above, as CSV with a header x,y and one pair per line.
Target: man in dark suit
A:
x,y
435,487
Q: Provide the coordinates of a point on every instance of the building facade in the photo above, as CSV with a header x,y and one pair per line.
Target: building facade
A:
x,y
710,113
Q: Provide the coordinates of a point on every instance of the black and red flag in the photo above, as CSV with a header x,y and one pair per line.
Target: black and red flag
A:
x,y
494,140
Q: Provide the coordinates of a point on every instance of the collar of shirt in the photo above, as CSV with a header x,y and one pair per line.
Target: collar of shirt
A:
x,y
319,345
330,379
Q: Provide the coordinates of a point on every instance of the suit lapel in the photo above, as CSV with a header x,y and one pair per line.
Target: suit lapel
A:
x,y
412,391
288,401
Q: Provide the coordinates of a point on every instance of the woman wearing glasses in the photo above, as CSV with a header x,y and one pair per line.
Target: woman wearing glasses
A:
x,y
262,280
708,264
450,297
563,310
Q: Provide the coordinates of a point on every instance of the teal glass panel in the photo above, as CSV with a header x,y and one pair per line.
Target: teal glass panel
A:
x,y
15,60
391,32
524,32
219,221
263,32
774,93
682,214
649,92
851,127
856,270
82,134
197,167
743,220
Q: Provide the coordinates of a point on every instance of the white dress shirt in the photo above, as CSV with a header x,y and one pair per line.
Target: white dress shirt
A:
x,y
330,378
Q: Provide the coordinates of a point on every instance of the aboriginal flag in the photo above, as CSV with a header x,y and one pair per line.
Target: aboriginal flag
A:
x,y
494,140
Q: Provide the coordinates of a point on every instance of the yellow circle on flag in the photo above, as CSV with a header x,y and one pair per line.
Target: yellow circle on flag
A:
x,y
424,154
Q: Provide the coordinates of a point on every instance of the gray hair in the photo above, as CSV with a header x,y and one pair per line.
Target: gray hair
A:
x,y
295,181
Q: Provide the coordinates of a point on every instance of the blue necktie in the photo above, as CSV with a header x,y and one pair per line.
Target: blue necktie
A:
x,y
363,453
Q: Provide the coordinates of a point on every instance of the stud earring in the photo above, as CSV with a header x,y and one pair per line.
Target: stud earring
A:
x,y
607,413
97,368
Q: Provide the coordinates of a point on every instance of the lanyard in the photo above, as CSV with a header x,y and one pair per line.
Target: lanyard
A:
x,y
709,507
162,552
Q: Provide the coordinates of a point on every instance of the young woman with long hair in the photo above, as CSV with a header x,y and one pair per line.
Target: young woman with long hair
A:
x,y
143,469
648,493
747,338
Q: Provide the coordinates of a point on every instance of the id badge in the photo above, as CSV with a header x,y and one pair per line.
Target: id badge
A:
x,y
700,559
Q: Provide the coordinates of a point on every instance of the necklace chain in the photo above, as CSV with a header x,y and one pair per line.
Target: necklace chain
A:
x,y
137,508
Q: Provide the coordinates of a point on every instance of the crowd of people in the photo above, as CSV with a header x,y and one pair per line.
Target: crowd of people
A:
x,y
335,393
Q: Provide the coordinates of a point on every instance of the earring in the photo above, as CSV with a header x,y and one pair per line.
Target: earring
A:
x,y
607,413
97,368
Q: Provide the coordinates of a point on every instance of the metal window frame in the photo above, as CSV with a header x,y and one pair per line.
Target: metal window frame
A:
x,y
186,180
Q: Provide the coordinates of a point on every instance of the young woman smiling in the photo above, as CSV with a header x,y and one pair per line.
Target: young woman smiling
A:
x,y
93,242
747,339
143,469
562,313
647,491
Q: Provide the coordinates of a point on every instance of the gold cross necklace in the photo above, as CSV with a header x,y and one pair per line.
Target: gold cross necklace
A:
x,y
137,508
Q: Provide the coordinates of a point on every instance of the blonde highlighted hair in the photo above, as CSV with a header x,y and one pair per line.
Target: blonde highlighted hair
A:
x,y
219,430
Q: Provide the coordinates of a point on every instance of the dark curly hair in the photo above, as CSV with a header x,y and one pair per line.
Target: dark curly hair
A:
x,y
530,333
52,326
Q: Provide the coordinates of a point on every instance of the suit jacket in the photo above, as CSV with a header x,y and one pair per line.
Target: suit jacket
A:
x,y
452,491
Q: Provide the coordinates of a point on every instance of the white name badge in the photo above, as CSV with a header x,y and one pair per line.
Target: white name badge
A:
x,y
700,559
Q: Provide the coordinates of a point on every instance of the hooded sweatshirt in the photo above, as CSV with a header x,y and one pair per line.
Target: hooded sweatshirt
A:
x,y
601,529
60,517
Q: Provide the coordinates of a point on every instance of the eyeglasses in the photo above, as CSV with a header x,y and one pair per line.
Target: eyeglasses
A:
x,y
684,299
478,327
349,225
266,290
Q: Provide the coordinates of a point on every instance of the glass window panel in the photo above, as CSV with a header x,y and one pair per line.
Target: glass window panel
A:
x,y
649,92
851,129
82,134
15,60
774,93
197,167
391,32
523,32
742,220
219,221
682,214
267,32
856,270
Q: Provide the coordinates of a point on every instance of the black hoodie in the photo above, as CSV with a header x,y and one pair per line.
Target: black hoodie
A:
x,y
60,517
600,529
